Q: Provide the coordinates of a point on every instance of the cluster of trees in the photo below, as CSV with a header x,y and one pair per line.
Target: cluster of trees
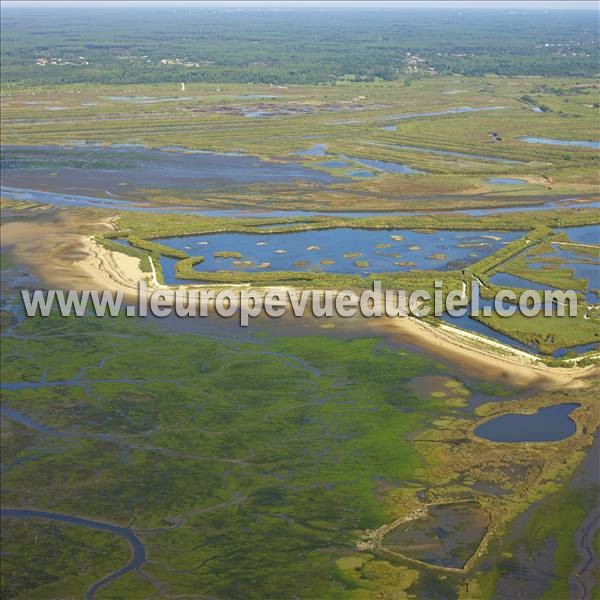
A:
x,y
124,44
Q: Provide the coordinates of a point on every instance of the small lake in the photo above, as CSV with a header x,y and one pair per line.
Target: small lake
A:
x,y
554,142
338,250
549,424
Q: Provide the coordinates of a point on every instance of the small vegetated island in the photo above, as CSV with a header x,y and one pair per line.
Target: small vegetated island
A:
x,y
429,457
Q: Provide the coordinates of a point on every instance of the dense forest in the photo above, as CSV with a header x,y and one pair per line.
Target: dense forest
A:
x,y
158,44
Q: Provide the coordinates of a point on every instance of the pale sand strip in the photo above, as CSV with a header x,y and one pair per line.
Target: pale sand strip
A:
x,y
73,260
487,356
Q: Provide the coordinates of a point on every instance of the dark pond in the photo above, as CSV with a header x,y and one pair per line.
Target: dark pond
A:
x,y
447,535
549,424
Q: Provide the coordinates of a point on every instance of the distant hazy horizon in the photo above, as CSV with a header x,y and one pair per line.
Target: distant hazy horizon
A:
x,y
458,4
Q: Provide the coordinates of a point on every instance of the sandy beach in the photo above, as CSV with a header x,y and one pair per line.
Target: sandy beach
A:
x,y
73,260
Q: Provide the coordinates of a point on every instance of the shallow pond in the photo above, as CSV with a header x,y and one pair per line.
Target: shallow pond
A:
x,y
333,164
439,113
361,173
587,234
549,424
313,250
123,169
447,535
386,166
554,142
316,150
505,181
148,99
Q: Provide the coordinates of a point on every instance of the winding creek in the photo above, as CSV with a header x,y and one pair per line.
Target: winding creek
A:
x,y
138,551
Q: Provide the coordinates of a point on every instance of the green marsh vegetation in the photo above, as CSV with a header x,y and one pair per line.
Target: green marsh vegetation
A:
x,y
546,333
250,468
265,437
268,436
212,118
44,558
